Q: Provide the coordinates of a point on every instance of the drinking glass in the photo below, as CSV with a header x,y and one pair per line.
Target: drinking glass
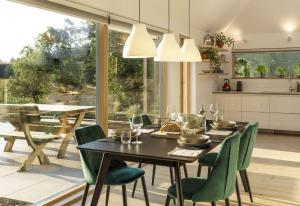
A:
x,y
212,111
126,137
137,123
171,112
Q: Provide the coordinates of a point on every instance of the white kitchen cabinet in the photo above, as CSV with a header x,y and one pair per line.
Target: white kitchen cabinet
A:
x,y
228,102
232,115
285,104
281,121
262,118
256,103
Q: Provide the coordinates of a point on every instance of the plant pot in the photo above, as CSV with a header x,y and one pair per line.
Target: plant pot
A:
x,y
281,76
204,55
220,43
298,76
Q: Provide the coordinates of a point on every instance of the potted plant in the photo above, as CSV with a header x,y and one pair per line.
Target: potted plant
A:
x,y
221,39
204,53
245,65
262,70
215,61
297,71
281,71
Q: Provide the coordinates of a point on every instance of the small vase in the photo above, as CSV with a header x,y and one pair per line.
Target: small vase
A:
x,y
220,43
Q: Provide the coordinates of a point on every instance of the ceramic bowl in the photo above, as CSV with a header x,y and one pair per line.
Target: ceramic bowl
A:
x,y
195,139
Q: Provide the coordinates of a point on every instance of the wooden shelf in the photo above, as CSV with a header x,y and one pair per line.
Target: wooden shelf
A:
x,y
212,74
214,48
208,61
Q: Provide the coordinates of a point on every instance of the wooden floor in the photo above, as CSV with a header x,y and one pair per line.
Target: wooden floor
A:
x,y
274,175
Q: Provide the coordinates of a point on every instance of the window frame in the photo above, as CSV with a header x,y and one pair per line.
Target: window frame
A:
x,y
261,50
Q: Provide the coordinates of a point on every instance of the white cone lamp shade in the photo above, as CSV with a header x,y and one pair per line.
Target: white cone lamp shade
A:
x,y
168,50
139,43
190,52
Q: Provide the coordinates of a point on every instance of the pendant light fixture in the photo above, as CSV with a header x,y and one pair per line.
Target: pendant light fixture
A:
x,y
189,50
168,50
139,43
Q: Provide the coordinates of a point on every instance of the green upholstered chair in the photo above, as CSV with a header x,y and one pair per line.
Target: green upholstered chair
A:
x,y
221,182
119,173
247,142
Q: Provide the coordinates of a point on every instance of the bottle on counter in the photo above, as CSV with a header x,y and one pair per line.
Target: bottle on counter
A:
x,y
239,86
202,112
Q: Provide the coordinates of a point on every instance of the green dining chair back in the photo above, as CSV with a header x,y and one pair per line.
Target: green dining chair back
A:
x,y
247,143
221,182
91,161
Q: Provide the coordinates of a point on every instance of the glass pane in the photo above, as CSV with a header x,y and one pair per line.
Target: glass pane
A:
x,y
133,83
281,63
47,59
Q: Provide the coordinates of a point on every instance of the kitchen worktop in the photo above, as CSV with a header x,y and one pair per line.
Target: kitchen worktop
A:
x,y
257,92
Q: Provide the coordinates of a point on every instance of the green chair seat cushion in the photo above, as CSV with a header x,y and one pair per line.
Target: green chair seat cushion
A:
x,y
209,159
190,186
123,175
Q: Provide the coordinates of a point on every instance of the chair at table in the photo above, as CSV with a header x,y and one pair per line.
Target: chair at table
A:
x,y
220,184
247,142
119,173
147,122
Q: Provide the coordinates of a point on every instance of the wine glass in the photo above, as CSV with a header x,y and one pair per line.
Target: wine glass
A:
x,y
171,112
137,123
212,111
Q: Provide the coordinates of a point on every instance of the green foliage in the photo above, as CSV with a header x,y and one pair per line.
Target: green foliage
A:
x,y
223,38
262,70
297,70
281,71
31,79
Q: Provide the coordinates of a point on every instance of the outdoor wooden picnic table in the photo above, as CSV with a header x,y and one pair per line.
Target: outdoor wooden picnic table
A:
x,y
63,113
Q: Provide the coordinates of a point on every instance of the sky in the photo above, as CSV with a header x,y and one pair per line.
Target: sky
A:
x,y
21,24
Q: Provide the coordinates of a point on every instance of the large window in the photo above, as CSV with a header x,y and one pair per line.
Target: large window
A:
x,y
134,84
46,59
272,64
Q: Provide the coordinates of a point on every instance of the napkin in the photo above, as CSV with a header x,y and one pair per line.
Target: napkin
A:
x,y
145,131
185,152
218,132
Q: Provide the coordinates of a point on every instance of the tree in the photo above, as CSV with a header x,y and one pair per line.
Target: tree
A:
x,y
31,80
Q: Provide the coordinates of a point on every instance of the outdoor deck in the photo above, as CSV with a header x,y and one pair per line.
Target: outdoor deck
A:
x,y
274,175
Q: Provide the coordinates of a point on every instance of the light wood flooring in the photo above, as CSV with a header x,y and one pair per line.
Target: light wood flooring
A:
x,y
274,175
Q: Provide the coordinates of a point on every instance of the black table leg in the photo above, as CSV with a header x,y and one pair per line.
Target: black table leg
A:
x,y
178,184
100,178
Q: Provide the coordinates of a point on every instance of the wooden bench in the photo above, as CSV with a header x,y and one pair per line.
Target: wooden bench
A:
x,y
27,121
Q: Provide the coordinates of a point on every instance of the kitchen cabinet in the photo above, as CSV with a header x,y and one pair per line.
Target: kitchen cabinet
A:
x,y
271,111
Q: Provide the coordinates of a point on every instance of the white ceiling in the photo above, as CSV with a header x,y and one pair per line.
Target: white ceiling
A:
x,y
233,16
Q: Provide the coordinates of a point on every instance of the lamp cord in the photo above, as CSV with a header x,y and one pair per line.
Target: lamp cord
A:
x,y
189,18
139,11
168,16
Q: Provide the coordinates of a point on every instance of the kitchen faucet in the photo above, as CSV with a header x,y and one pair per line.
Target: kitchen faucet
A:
x,y
290,84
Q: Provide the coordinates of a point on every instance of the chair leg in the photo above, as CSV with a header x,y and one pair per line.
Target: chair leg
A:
x,y
107,195
199,171
248,185
238,194
124,194
86,191
185,170
135,182
153,174
208,171
244,181
227,203
213,204
168,200
172,182
145,191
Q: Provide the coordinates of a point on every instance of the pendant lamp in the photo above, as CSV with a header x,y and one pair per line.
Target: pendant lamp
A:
x,y
189,50
139,43
168,50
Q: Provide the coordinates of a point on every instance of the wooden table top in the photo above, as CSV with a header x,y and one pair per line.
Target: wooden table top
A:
x,y
60,108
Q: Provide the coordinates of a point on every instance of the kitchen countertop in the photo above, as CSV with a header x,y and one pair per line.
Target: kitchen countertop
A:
x,y
257,92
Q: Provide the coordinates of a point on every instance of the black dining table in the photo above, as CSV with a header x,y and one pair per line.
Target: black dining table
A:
x,y
153,150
